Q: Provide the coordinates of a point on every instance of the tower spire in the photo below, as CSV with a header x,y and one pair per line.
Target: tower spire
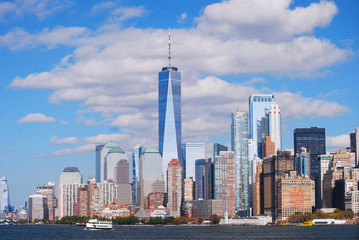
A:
x,y
169,47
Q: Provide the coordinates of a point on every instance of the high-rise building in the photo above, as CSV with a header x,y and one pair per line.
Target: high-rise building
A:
x,y
242,166
258,189
274,126
4,195
329,179
115,155
209,179
122,181
258,103
313,139
192,152
70,181
354,144
188,192
135,171
268,147
302,163
174,187
83,203
274,166
325,163
101,153
342,158
38,208
49,192
294,195
224,183
150,175
217,148
169,115
200,178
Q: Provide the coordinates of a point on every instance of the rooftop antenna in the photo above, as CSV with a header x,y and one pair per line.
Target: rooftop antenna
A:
x,y
169,47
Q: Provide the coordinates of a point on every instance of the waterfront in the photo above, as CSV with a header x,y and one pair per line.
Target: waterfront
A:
x,y
180,232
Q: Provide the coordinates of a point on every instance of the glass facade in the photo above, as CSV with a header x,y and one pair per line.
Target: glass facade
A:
x,y
4,195
200,182
258,103
169,116
191,152
217,148
135,171
242,165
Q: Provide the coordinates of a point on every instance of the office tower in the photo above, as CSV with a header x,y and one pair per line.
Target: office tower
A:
x,y
242,167
258,103
189,189
217,148
342,158
191,152
122,181
294,195
224,184
354,144
4,196
209,179
83,203
268,147
150,175
313,139
169,114
274,166
325,163
329,179
352,201
200,178
101,153
38,208
114,155
174,188
109,190
340,191
70,181
135,171
96,199
49,192
274,126
257,195
302,163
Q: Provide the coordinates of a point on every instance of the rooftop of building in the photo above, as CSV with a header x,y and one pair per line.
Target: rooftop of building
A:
x,y
111,145
71,169
116,150
151,150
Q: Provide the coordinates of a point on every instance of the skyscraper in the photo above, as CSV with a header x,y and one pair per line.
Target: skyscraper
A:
x,y
191,152
135,171
38,208
113,156
313,139
150,178
169,114
258,103
200,163
217,148
101,153
174,188
241,162
49,191
302,165
70,181
4,195
274,126
354,145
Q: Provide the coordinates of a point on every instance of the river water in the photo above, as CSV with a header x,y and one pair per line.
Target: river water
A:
x,y
180,232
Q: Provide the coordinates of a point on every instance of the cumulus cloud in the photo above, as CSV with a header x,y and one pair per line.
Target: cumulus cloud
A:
x,y
41,8
70,151
264,20
182,17
340,141
36,118
124,13
68,140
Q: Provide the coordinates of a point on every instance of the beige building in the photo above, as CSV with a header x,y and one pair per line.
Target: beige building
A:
x,y
258,190
342,158
352,201
188,189
294,195
174,187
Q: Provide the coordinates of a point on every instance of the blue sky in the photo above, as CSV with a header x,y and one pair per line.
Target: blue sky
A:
x,y
75,74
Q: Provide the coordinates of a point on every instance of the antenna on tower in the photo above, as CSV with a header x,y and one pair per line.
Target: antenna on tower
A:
x,y
169,47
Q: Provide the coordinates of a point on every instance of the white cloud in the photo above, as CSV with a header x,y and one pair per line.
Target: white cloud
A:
x,y
341,141
105,138
70,151
182,17
124,13
264,20
63,122
41,8
256,80
68,140
40,155
36,118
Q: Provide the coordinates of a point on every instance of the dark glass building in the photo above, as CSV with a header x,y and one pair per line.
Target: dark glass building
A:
x,y
313,139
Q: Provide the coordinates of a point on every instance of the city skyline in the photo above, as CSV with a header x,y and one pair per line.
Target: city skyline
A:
x,y
73,85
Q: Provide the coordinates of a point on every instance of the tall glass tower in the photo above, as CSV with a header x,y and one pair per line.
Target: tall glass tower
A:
x,y
169,114
242,168
4,195
258,103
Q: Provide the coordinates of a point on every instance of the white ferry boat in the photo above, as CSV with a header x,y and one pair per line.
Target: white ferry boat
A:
x,y
328,221
94,224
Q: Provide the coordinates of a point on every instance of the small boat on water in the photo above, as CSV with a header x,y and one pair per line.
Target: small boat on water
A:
x,y
94,224
308,224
